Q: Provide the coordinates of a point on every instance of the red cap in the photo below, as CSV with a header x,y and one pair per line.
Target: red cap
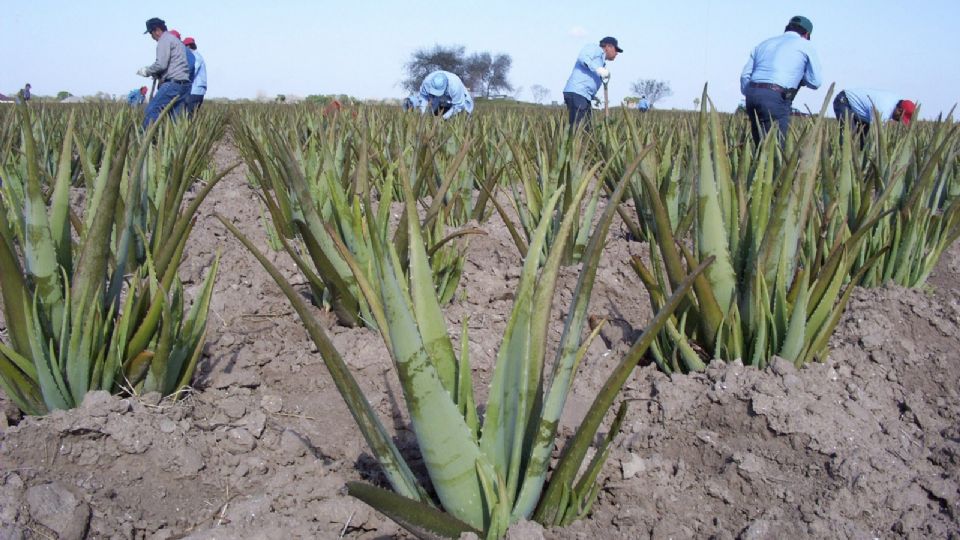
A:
x,y
908,108
174,32
189,41
143,90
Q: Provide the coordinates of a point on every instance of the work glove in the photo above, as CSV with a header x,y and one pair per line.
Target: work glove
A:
x,y
142,72
605,80
603,72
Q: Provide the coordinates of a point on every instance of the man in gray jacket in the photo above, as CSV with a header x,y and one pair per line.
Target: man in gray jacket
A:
x,y
170,69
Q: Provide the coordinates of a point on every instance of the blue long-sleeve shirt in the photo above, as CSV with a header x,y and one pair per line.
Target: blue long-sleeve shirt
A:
x,y
787,60
862,102
199,87
584,80
460,99
134,97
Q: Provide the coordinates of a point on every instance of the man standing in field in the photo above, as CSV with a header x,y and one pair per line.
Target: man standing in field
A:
x,y
444,94
170,67
776,70
589,72
199,87
856,106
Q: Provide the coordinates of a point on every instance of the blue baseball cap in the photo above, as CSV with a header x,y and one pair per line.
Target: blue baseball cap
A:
x,y
436,84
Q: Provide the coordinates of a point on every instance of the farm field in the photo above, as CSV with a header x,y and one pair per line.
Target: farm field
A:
x,y
855,437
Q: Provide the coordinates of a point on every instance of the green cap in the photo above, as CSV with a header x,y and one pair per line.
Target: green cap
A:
x,y
802,22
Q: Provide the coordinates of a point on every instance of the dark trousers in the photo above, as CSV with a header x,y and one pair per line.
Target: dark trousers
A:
x,y
764,107
166,93
578,107
194,101
845,114
440,104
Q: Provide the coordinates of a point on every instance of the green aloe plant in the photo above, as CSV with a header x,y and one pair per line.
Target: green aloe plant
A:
x,y
486,474
96,313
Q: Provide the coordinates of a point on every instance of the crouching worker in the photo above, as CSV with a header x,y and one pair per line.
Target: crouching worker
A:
x,y
856,106
444,94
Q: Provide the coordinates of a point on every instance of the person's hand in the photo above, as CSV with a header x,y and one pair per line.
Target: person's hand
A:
x,y
605,80
603,72
142,72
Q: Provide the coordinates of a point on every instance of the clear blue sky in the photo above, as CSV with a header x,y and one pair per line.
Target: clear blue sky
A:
x,y
358,47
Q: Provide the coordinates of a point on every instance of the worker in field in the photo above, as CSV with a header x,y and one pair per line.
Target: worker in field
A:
x,y
776,70
412,103
589,72
444,94
644,104
170,69
198,89
136,97
857,106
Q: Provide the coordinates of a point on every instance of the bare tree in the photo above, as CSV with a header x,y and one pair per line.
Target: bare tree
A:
x,y
482,72
424,61
540,93
654,90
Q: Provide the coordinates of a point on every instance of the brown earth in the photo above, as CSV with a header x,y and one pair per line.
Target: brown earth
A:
x,y
866,445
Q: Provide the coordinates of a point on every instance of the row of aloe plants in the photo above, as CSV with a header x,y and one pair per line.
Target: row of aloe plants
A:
x,y
91,299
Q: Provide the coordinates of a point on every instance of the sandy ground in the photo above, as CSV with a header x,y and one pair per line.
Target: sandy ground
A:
x,y
865,445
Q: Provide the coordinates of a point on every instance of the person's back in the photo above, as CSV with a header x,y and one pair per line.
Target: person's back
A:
x,y
863,101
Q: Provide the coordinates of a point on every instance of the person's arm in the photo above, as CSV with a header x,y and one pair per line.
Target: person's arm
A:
x,y
811,75
746,74
458,100
163,57
200,82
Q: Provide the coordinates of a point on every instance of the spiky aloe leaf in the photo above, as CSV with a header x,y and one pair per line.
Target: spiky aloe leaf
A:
x,y
423,521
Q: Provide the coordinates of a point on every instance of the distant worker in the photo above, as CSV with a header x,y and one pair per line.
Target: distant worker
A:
x,y
170,68
776,70
589,72
412,103
443,93
856,105
136,97
24,94
644,104
199,88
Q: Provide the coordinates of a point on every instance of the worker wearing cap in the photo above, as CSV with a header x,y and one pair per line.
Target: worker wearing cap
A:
x,y
857,105
137,96
170,68
199,87
776,70
444,93
644,104
589,72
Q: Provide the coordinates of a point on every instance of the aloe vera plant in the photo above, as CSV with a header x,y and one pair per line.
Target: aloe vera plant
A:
x,y
315,192
771,290
98,313
486,474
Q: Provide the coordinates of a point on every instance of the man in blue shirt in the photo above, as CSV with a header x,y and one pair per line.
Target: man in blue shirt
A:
x,y
199,88
776,70
589,72
856,105
644,104
444,93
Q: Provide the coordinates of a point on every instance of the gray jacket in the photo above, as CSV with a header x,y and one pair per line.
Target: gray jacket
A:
x,y
171,61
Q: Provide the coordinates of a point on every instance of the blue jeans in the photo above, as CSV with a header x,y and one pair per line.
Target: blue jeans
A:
x,y
578,107
194,101
166,93
844,113
764,107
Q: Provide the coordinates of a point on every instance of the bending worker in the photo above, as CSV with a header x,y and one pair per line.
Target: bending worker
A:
x,y
776,70
170,68
856,105
136,96
444,94
589,72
